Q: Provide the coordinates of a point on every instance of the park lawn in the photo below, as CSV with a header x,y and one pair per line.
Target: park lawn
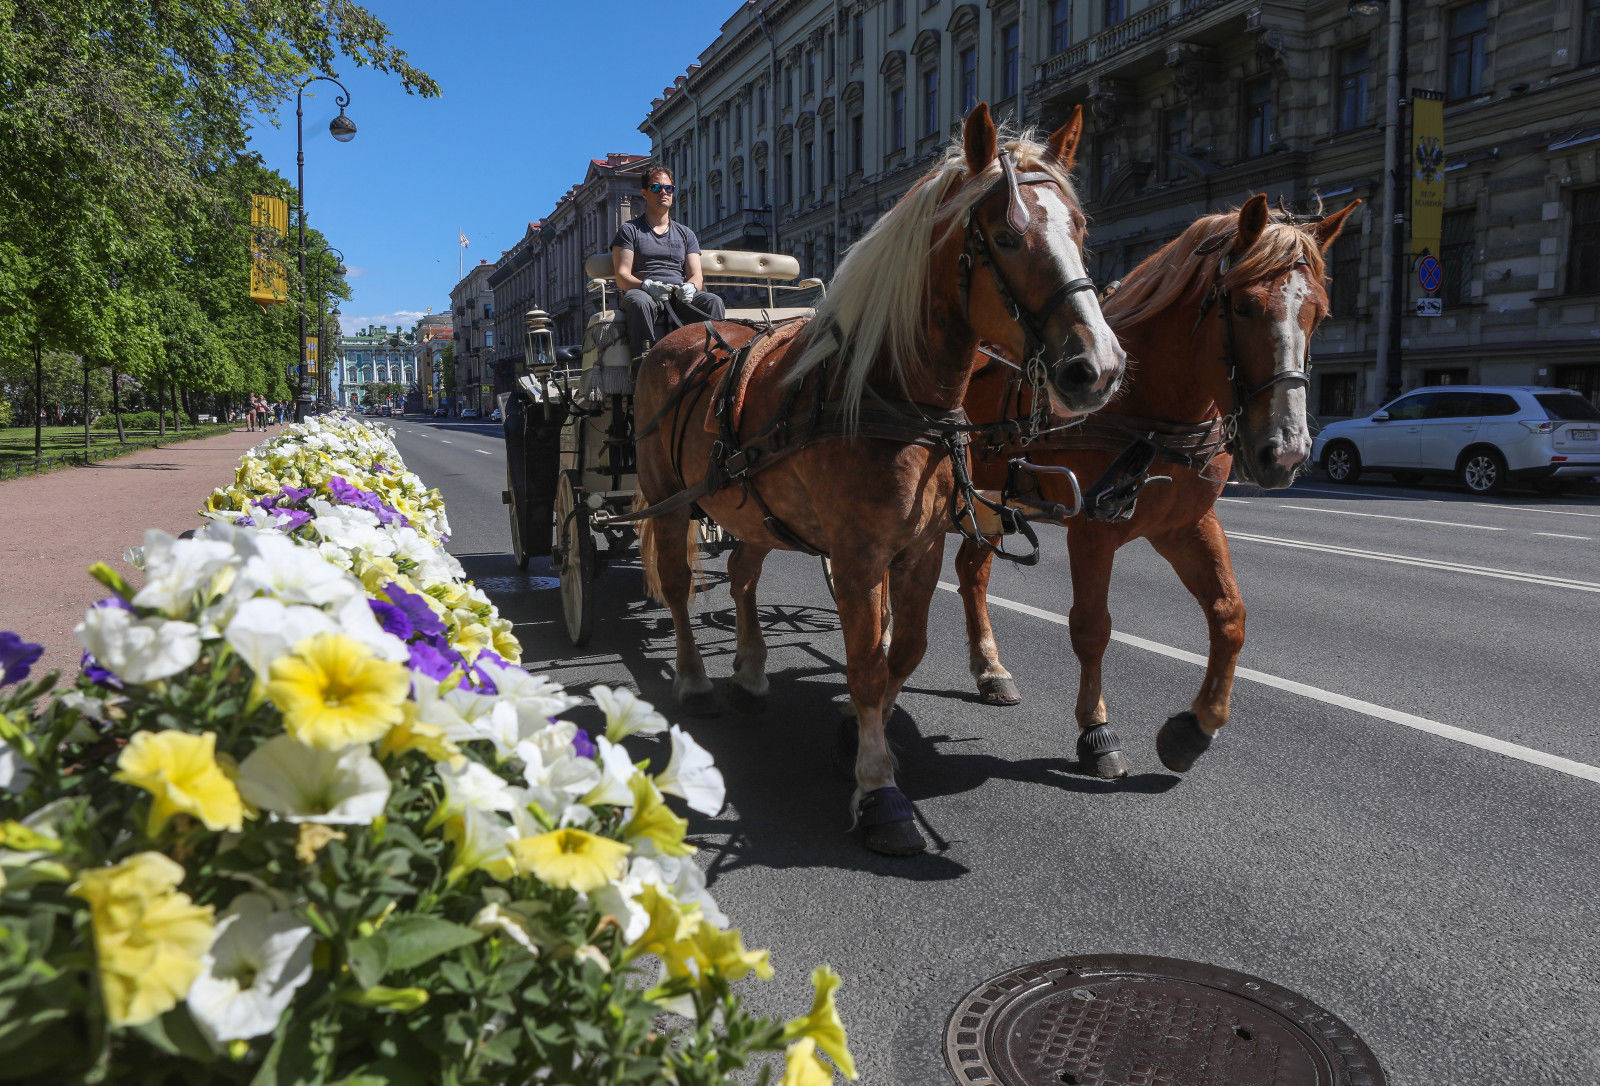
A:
x,y
16,442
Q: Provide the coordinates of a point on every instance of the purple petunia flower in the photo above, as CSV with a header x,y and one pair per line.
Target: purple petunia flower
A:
x,y
392,619
481,682
582,745
96,674
430,661
293,495
245,522
423,620
290,520
114,601
17,657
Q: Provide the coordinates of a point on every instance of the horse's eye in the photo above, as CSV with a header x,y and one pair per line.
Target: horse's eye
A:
x,y
1241,309
1005,239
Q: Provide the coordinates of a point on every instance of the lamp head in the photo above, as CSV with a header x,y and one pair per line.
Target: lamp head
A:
x,y
342,128
340,270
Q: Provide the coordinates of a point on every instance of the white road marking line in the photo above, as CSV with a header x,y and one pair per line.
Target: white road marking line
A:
x,y
447,441
485,452
1560,512
1426,563
1236,501
1390,516
1399,497
1580,770
1558,535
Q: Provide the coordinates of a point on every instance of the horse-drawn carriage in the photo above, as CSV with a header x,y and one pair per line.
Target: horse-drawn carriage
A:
x,y
569,426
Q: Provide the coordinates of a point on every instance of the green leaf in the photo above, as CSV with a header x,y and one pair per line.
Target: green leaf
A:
x,y
414,940
370,959
175,1033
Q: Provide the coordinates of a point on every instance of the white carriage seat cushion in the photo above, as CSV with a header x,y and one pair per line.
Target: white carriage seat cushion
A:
x,y
716,264
765,313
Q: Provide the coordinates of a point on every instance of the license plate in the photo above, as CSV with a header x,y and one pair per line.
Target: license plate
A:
x,y
1582,435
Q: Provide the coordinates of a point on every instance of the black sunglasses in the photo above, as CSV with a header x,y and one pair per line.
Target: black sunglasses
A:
x,y
665,190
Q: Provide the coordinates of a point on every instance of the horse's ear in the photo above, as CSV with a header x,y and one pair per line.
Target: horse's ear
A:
x,y
1253,218
1064,142
979,138
1327,228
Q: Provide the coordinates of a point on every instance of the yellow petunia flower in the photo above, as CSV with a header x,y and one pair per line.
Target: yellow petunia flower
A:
x,y
414,733
803,1067
333,692
181,773
724,952
669,924
654,821
570,859
148,937
822,1025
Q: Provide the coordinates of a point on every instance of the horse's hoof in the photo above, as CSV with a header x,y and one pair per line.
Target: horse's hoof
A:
x,y
887,823
1100,753
700,703
998,690
743,701
1181,742
846,740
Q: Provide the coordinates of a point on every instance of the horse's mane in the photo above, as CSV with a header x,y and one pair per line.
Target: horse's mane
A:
x,y
1181,271
876,301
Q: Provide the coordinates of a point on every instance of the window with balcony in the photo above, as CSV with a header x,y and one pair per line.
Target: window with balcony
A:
x,y
1115,11
967,67
1591,31
897,14
1583,252
1174,141
1350,92
1010,73
1464,50
1257,127
930,101
1458,249
1060,25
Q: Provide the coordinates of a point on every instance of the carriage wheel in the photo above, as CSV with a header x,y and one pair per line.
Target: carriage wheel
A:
x,y
827,577
712,538
577,560
519,552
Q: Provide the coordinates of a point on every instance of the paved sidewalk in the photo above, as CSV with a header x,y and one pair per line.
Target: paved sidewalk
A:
x,y
53,527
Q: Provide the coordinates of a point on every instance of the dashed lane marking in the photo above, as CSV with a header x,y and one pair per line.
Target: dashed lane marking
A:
x,y
484,452
1426,563
1390,516
1559,535
1581,770
1235,501
447,441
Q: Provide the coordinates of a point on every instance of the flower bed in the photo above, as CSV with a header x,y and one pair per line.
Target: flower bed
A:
x,y
302,818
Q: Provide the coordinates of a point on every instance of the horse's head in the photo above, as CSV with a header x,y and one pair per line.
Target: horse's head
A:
x,y
1269,297
1027,290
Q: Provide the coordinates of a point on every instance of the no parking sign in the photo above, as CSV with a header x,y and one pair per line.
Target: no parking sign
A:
x,y
1429,273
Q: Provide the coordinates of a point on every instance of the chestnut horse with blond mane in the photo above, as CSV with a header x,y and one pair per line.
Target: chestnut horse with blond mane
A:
x,y
844,425
1217,326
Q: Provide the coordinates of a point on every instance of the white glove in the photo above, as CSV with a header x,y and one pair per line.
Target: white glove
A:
x,y
685,292
657,291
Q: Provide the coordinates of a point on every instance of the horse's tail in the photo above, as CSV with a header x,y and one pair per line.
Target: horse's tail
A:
x,y
650,553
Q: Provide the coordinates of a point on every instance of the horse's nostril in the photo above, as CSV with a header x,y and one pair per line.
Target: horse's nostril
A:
x,y
1077,372
1269,454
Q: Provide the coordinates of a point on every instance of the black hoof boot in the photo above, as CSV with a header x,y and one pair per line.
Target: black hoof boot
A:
x,y
701,703
887,823
1181,742
846,739
1100,753
742,701
998,690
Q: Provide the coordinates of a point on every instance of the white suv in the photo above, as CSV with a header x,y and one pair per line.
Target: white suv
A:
x,y
1485,435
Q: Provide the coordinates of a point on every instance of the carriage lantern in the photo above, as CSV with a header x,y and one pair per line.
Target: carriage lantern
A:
x,y
538,328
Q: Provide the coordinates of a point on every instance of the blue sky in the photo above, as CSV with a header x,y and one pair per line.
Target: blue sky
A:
x,y
575,79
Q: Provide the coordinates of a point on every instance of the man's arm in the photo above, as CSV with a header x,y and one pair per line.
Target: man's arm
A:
x,y
622,265
692,273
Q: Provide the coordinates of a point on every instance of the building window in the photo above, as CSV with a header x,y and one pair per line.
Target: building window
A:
x,y
1008,61
716,138
761,105
808,165
1583,255
788,88
1060,25
967,65
897,119
1591,31
1257,116
1345,268
1116,11
1337,397
830,157
1464,51
1174,141
856,128
858,37
1105,164
788,177
930,102
761,186
811,72
1350,96
1458,253
898,14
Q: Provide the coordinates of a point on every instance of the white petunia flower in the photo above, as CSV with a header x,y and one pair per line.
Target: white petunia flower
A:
x,y
616,900
178,570
473,785
138,650
626,713
303,784
356,619
259,959
535,699
512,921
691,775
616,770
278,567
556,776
15,772
263,630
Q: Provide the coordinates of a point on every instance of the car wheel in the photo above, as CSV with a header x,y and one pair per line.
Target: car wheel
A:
x,y
1342,462
1483,471
1408,478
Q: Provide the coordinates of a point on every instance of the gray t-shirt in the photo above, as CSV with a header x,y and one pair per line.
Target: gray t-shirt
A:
x,y
657,256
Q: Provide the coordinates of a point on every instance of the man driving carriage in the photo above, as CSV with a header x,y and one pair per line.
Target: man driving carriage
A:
x,y
657,264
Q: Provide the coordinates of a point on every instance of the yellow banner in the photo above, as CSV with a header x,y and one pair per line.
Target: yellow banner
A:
x,y
1427,171
269,282
311,355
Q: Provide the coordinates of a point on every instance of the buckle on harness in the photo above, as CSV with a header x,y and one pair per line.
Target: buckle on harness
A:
x,y
741,462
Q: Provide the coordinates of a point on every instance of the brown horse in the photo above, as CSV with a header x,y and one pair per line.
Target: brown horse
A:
x,y
1217,326
985,247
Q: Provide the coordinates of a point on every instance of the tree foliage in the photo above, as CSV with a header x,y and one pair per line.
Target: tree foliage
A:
x,y
125,197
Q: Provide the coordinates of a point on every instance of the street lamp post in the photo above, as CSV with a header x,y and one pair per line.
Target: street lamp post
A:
x,y
324,389
1396,166
343,129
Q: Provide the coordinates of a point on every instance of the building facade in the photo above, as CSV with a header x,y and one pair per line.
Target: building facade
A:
x,y
518,284
804,120
472,310
375,354
430,336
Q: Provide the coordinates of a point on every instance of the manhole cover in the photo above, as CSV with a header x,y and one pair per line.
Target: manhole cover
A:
x,y
1131,1020
517,584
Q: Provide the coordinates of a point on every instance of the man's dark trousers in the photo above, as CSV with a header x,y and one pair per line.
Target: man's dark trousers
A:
x,y
648,320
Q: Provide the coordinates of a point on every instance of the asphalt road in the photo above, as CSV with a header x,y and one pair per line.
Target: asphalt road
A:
x,y
1399,823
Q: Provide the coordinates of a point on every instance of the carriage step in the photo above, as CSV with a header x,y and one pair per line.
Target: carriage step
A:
x,y
505,497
